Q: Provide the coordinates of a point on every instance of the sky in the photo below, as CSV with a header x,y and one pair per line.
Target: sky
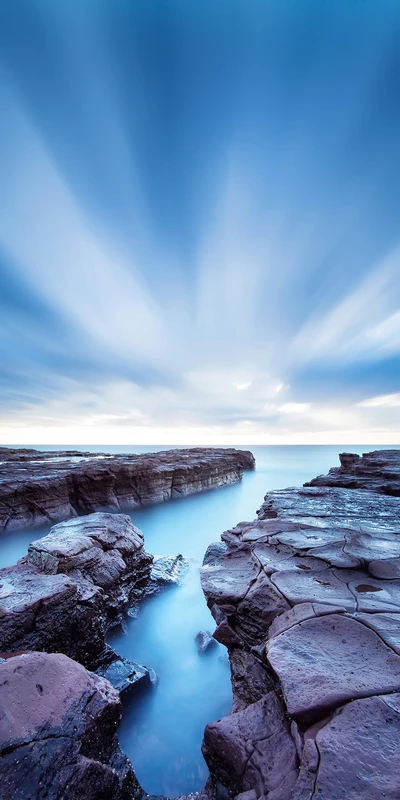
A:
x,y
199,221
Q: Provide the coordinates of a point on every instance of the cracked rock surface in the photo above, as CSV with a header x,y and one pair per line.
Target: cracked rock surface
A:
x,y
307,599
58,727
38,488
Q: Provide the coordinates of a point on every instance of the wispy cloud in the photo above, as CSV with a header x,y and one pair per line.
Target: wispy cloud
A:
x,y
199,222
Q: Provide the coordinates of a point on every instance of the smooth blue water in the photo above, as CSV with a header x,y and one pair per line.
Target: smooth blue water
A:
x,y
162,729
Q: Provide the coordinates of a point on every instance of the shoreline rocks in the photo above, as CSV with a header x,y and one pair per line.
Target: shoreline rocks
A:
x,y
38,488
72,586
58,726
307,599
378,471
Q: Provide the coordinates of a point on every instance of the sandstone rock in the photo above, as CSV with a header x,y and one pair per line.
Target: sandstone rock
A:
x,y
73,584
359,752
378,471
166,571
251,749
310,590
323,662
40,487
57,733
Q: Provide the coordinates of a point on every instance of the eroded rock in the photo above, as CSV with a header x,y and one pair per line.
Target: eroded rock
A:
x,y
58,727
38,488
326,640
74,583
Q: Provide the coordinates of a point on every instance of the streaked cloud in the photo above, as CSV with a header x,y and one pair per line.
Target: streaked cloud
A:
x,y
199,222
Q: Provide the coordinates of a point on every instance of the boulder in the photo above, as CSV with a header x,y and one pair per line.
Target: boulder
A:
x,y
74,583
204,642
58,727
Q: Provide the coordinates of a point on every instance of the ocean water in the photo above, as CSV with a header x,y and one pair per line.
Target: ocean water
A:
x,y
162,728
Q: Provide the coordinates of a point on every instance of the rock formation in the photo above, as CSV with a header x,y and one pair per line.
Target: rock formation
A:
x,y
58,726
73,584
307,599
38,488
378,471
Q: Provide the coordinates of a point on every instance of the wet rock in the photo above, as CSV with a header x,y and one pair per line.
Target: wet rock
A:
x,y
204,642
57,732
125,676
166,571
39,487
72,586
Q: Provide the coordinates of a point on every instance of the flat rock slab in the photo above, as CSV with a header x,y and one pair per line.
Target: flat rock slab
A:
x,y
359,752
57,732
39,487
326,661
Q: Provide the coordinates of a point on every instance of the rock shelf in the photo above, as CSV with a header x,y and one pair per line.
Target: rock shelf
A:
x,y
40,488
307,599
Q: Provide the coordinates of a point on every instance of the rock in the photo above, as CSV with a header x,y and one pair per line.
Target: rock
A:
x,y
358,751
74,583
204,642
307,600
166,571
57,732
251,749
250,679
378,471
314,682
38,488
125,676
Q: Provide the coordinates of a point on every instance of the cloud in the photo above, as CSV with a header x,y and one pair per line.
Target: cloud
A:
x,y
199,222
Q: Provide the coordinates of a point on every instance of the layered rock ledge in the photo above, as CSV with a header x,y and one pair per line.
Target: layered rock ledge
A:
x,y
378,471
72,586
307,599
39,488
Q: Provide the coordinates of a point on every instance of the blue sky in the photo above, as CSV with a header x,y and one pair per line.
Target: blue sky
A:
x,y
199,221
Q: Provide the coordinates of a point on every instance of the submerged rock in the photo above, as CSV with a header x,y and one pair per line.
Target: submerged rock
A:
x,y
166,571
58,727
39,487
307,600
204,642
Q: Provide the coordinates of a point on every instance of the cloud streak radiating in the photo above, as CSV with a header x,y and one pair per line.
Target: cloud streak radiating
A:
x,y
199,222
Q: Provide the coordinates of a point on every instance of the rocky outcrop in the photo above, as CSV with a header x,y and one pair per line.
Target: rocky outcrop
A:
x,y
38,488
307,599
73,584
58,726
378,471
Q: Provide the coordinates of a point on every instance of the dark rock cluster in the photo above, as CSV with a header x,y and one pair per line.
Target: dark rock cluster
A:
x,y
38,488
307,599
